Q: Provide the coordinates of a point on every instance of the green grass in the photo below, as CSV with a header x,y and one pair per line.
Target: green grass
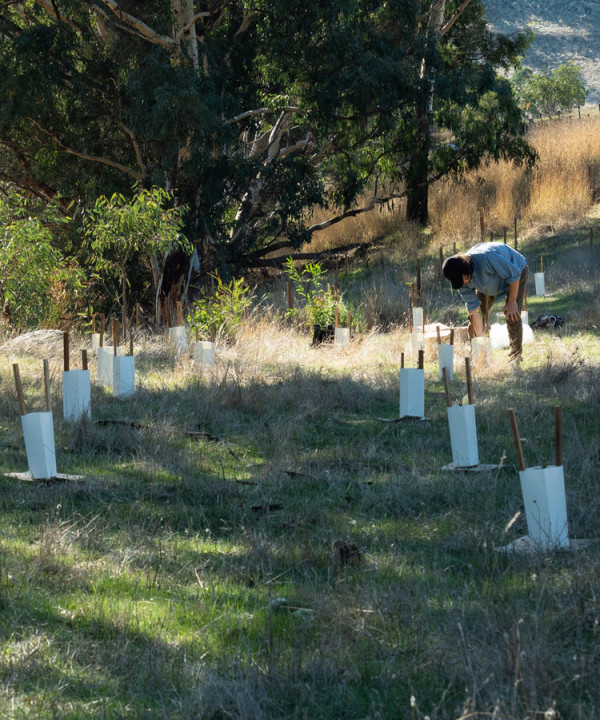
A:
x,y
307,557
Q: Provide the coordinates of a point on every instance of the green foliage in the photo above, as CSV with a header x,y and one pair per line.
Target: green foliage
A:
x,y
549,92
320,300
119,229
36,283
224,312
292,106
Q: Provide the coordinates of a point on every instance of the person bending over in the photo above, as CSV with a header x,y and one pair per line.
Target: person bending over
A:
x,y
486,272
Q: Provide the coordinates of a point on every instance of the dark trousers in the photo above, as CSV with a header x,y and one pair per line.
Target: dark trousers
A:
x,y
515,328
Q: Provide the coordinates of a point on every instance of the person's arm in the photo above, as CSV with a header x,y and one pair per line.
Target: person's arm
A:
x,y
476,319
511,309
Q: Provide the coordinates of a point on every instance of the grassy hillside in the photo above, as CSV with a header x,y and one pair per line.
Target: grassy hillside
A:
x,y
264,539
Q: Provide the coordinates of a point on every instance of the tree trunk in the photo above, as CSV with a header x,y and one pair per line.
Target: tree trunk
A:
x,y
417,201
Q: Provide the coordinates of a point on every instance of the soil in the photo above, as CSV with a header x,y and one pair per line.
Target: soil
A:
x,y
565,30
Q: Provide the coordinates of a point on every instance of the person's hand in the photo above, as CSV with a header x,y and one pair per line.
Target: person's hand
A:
x,y
511,310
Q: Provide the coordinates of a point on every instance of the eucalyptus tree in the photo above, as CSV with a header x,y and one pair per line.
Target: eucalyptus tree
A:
x,y
250,112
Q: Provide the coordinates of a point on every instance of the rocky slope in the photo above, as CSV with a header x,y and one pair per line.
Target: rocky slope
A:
x,y
565,30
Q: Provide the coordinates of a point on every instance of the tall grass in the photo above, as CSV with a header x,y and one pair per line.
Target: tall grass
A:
x,y
560,189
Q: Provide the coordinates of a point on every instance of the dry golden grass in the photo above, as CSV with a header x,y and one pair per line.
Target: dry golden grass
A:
x,y
562,187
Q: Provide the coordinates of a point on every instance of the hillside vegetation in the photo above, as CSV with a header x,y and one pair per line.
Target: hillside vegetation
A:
x,y
264,539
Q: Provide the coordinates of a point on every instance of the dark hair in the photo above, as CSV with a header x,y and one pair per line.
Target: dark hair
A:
x,y
455,267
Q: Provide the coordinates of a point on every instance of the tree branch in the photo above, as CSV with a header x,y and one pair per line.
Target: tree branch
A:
x,y
198,16
85,156
138,27
135,144
260,111
450,22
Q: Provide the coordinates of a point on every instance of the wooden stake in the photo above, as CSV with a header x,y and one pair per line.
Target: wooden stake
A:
x,y
517,440
516,243
94,323
401,360
558,434
541,263
421,359
197,334
452,336
179,314
410,324
101,341
131,345
505,234
137,316
47,386
337,316
213,332
66,350
525,299
116,338
84,359
419,295
289,295
441,265
469,380
19,386
412,295
437,332
446,388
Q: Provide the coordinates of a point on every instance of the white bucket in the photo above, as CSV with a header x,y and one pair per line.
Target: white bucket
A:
x,y
545,505
342,336
123,376
38,431
446,360
499,336
76,395
178,338
540,283
205,353
463,435
412,392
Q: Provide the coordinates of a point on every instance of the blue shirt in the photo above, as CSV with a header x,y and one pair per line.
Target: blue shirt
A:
x,y
495,267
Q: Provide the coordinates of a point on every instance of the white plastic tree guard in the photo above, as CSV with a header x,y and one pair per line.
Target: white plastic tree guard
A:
x,y
342,336
545,503
178,338
525,317
463,435
205,353
417,342
446,360
540,283
412,392
38,432
544,495
123,375
481,349
418,318
76,387
76,395
104,370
